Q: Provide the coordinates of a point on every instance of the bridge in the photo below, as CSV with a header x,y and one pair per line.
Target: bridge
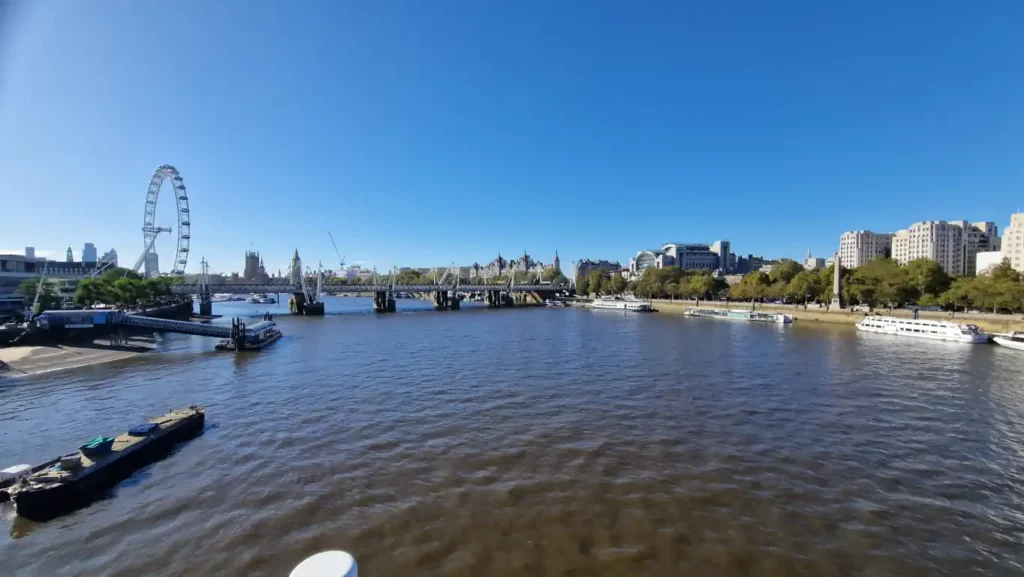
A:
x,y
92,319
191,289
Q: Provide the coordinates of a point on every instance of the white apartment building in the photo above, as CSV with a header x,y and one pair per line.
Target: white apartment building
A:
x,y
859,247
1013,241
954,245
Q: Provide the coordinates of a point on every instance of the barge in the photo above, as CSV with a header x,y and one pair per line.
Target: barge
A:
x,y
739,315
73,480
254,338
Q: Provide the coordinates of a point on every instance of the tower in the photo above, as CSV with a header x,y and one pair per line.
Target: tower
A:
x,y
836,302
71,256
556,263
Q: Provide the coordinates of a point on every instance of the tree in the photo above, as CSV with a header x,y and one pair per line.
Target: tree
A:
x,y
551,273
594,280
112,274
90,291
926,277
48,297
803,287
959,293
1004,273
617,285
752,286
701,285
582,285
784,271
673,289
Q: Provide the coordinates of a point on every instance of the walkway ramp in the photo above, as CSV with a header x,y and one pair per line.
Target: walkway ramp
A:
x,y
185,327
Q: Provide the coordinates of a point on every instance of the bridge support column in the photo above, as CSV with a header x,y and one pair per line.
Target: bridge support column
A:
x,y
441,300
206,308
508,300
313,309
297,304
455,302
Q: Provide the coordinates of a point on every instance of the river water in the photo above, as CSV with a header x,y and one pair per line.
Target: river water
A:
x,y
541,442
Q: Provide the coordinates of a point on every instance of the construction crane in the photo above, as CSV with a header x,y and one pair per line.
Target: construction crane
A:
x,y
341,259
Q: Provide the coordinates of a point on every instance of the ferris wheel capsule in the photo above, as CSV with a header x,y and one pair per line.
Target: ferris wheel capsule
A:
x,y
327,564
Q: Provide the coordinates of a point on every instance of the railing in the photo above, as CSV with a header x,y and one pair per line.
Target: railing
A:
x,y
415,288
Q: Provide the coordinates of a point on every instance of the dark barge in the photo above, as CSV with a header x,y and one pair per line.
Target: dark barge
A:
x,y
74,480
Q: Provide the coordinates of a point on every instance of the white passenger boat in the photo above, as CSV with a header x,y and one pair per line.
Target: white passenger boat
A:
x,y
260,299
923,329
739,315
622,304
1012,339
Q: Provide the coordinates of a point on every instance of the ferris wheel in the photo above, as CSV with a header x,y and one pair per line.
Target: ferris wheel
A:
x,y
150,230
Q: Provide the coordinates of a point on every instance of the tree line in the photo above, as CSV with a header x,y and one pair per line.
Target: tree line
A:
x,y
880,283
116,286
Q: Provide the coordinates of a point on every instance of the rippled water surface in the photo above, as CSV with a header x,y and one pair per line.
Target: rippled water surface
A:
x,y
542,442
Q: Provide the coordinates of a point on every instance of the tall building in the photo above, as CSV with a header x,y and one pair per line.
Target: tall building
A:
x,y
89,252
70,256
723,249
586,265
683,255
254,270
858,247
1013,241
953,245
109,256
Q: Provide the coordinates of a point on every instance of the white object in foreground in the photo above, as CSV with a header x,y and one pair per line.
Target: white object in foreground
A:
x,y
1012,339
923,329
620,304
327,564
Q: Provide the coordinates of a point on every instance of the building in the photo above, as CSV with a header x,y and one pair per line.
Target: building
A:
x,y
89,252
151,264
585,266
16,269
953,245
254,270
109,257
813,263
859,247
689,256
750,263
726,260
988,260
1013,241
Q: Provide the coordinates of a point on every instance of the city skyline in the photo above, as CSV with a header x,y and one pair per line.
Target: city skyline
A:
x,y
426,135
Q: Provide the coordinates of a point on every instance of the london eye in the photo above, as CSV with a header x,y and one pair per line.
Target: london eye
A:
x,y
150,228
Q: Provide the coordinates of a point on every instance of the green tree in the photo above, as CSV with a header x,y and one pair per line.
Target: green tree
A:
x,y
700,285
617,284
959,293
804,286
595,281
112,274
753,286
1004,273
551,273
784,271
48,298
90,291
582,285
926,277
674,289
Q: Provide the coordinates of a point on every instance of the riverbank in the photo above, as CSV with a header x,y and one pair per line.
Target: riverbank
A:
x,y
991,323
34,360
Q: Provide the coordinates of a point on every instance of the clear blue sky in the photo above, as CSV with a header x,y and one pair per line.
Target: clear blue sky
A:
x,y
429,132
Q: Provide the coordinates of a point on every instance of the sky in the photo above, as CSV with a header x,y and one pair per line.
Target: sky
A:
x,y
426,133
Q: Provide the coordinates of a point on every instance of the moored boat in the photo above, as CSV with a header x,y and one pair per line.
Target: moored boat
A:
x,y
1012,340
261,299
70,481
258,336
739,315
923,329
622,304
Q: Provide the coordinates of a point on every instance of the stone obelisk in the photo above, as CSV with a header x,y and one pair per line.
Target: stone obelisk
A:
x,y
836,303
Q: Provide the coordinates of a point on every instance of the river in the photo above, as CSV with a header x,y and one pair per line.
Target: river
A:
x,y
541,442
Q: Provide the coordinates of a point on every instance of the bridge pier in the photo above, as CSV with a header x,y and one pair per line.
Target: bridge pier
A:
x,y
205,303
384,302
297,304
441,300
313,309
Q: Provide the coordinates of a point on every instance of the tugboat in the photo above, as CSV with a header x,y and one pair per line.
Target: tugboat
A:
x,y
72,480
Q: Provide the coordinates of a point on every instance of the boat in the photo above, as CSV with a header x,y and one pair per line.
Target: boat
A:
x,y
261,299
1012,339
222,297
622,304
258,336
739,315
923,329
73,480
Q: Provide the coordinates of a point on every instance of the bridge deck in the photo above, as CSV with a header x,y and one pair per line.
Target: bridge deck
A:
x,y
416,288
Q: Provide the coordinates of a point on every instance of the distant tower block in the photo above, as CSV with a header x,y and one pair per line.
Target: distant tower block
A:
x,y
836,302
